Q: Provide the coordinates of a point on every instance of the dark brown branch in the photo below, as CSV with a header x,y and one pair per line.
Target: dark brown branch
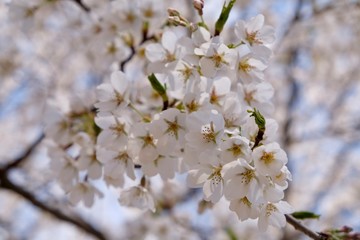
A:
x,y
123,63
6,183
133,51
82,5
302,228
24,156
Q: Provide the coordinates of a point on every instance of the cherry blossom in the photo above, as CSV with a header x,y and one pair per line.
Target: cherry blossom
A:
x,y
138,197
84,192
269,159
254,32
273,214
184,101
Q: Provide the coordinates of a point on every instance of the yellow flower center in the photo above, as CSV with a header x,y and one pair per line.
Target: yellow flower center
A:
x,y
247,176
268,158
270,208
252,38
208,133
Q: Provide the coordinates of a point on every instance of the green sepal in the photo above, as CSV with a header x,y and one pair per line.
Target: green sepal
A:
x,y
259,118
160,89
202,24
305,215
156,85
219,25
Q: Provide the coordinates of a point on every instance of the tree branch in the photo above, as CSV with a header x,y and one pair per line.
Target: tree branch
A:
x,y
6,183
24,156
302,228
82,5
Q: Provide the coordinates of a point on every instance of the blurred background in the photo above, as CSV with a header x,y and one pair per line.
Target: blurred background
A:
x,y
50,51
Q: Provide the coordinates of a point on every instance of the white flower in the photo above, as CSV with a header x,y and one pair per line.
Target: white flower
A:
x,y
182,79
159,142
84,192
269,159
200,36
115,182
257,95
87,161
153,12
164,165
233,112
112,51
235,148
244,209
117,162
169,128
205,129
128,16
64,165
144,142
163,55
209,176
273,214
218,90
138,197
57,126
271,192
240,181
115,130
249,67
215,56
113,97
196,102
282,177
254,32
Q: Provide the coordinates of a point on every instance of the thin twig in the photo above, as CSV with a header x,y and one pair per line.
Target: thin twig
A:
x,y
302,228
133,51
123,63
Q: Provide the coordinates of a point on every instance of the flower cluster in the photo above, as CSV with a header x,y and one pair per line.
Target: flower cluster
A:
x,y
203,110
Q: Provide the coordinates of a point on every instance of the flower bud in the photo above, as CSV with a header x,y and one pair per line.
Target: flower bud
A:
x,y
176,20
172,12
199,5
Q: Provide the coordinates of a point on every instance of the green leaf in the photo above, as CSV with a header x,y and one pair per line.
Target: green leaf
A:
x,y
219,25
305,215
156,85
